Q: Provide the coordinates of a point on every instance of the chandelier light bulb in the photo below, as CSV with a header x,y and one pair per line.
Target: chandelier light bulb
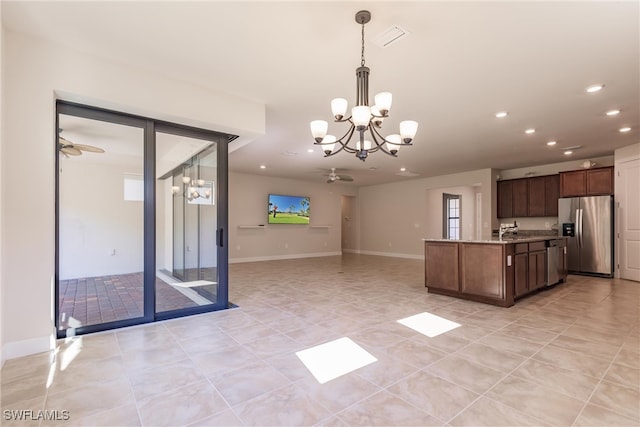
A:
x,y
200,182
328,144
361,116
408,129
393,143
383,102
339,108
319,129
175,189
186,179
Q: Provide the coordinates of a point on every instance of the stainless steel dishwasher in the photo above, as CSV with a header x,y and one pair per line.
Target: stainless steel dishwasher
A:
x,y
553,262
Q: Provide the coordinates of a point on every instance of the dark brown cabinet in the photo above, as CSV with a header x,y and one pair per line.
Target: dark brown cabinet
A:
x,y
537,268
551,194
537,198
521,197
505,199
441,265
521,270
530,267
528,197
587,182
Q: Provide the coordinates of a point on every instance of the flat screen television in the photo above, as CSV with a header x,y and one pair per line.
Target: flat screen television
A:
x,y
288,209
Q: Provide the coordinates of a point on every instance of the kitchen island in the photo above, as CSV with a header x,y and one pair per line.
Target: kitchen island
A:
x,y
495,271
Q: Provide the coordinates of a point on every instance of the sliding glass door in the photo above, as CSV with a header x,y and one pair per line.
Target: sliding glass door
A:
x,y
141,212
188,196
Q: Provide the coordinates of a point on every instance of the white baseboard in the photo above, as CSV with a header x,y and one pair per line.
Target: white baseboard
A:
x,y
392,254
282,257
15,349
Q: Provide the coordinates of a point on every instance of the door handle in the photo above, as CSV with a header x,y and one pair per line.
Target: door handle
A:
x,y
221,237
580,229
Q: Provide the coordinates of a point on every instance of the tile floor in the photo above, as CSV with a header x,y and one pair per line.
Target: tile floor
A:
x,y
566,356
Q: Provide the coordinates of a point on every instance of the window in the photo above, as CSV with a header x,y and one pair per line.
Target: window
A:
x,y
451,216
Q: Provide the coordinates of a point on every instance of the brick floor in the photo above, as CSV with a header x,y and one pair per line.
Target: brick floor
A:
x,y
93,300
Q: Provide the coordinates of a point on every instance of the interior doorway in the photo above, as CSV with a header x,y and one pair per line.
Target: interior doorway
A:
x,y
349,232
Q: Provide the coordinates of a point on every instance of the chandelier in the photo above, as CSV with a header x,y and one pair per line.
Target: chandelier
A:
x,y
363,118
194,189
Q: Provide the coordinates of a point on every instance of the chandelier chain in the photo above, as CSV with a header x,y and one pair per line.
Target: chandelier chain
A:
x,y
362,53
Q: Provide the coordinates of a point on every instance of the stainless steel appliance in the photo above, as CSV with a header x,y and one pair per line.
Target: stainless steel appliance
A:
x,y
587,222
553,262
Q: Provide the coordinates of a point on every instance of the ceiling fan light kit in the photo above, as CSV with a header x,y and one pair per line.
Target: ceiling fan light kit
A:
x,y
363,118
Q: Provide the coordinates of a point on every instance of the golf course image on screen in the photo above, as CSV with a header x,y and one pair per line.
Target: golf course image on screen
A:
x,y
288,209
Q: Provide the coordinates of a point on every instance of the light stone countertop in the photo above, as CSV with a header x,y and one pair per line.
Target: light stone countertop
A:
x,y
504,241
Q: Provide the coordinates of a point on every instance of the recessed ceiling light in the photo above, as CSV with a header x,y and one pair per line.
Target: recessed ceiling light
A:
x,y
502,114
403,169
263,167
594,88
568,153
309,150
551,143
613,112
625,129
529,131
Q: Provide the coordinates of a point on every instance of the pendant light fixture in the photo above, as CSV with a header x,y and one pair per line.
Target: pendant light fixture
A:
x,y
365,121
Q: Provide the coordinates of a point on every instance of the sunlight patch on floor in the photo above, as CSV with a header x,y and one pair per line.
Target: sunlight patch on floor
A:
x,y
334,359
429,324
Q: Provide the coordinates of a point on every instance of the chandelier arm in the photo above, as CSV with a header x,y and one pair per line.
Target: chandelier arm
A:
x,y
379,145
374,132
344,145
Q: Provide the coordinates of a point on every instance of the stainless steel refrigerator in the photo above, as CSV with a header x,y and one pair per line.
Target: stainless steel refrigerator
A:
x,y
587,222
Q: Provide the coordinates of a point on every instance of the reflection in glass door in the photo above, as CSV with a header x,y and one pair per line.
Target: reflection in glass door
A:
x,y
100,222
187,275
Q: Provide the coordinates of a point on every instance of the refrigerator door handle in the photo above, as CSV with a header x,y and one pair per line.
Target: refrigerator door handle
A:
x,y
579,227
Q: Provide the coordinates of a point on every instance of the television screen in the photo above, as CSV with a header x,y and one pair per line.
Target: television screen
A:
x,y
288,209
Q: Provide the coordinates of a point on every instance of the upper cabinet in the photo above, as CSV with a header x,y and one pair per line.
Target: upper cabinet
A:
x,y
505,199
587,182
528,197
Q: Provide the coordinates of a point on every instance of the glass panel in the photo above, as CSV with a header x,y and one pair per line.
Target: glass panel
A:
x,y
100,243
186,215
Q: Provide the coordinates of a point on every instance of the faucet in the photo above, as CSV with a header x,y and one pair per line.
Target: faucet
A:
x,y
507,228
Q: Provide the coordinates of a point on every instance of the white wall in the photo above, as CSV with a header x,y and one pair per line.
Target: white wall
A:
x,y
34,74
248,196
394,217
434,214
2,181
96,220
553,168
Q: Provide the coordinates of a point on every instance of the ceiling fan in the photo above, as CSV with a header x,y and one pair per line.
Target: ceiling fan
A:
x,y
333,177
68,148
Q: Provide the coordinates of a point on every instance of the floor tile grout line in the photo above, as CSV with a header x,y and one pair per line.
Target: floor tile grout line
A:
x,y
604,374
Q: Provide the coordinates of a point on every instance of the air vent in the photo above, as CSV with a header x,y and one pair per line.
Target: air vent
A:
x,y
390,36
407,174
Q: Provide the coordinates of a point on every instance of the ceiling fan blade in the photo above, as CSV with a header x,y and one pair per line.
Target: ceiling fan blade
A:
x,y
71,151
64,141
346,178
89,148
